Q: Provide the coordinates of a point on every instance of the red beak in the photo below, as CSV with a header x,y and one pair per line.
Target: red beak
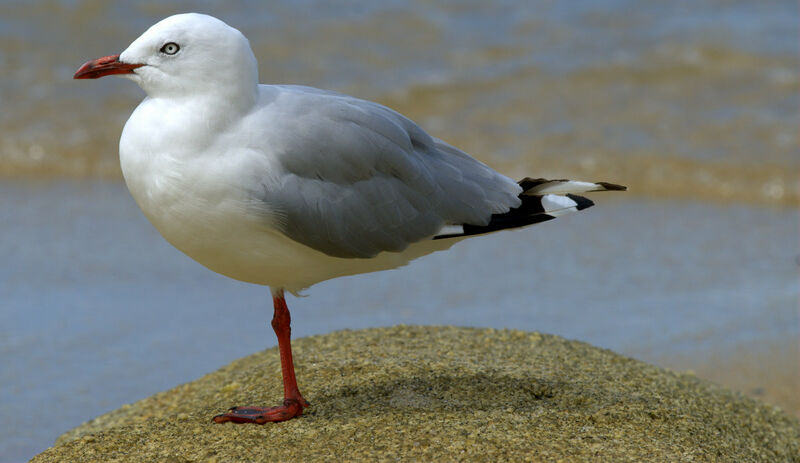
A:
x,y
105,66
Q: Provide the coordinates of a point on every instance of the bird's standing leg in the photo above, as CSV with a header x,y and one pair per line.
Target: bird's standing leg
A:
x,y
293,402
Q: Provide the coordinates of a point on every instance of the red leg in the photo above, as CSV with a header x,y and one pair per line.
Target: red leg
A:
x,y
293,402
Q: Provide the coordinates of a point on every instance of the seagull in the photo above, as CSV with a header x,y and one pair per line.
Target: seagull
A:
x,y
286,185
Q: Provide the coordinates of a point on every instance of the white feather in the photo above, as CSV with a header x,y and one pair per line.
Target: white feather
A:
x,y
557,205
562,187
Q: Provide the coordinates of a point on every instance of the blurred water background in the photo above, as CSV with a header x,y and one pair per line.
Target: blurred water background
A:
x,y
692,104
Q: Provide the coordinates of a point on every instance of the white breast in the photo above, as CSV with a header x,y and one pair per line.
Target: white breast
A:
x,y
191,194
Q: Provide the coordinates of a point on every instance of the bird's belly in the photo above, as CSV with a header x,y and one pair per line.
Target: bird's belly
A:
x,y
199,212
211,223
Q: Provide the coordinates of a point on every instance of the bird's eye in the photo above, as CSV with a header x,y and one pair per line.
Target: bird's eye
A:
x,y
170,48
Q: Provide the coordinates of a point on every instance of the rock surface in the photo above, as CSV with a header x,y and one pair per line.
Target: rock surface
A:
x,y
446,394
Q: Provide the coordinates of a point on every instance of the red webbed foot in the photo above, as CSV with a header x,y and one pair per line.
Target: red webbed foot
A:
x,y
291,408
293,402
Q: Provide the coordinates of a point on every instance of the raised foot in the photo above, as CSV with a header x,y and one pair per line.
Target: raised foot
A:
x,y
260,415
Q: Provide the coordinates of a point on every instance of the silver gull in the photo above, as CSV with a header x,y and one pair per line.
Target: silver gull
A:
x,y
287,186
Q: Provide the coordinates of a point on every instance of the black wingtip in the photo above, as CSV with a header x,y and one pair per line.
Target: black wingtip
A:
x,y
581,202
612,186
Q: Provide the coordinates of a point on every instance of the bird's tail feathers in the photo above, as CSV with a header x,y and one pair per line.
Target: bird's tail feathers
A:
x,y
542,200
543,186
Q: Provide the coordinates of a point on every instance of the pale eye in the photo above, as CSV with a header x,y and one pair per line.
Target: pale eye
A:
x,y
170,48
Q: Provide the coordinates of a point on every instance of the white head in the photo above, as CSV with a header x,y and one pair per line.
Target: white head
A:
x,y
184,55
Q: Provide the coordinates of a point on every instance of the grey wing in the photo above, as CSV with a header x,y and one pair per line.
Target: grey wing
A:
x,y
360,179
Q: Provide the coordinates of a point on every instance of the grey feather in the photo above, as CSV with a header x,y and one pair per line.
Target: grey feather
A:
x,y
361,179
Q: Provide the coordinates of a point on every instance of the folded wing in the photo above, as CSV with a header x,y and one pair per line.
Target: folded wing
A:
x,y
360,179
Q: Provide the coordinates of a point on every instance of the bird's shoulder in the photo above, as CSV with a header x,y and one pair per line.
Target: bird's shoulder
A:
x,y
315,132
325,110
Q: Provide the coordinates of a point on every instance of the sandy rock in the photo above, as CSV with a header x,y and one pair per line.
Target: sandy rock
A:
x,y
414,393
